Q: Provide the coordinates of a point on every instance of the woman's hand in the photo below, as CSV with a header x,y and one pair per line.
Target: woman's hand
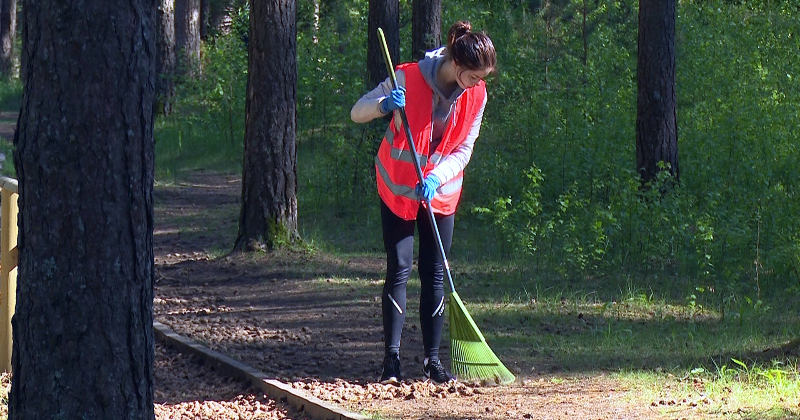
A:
x,y
427,189
396,100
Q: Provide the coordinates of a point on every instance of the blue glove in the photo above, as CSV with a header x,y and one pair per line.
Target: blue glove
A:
x,y
427,189
395,100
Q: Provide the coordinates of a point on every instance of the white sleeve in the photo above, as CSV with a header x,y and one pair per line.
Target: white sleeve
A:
x,y
369,106
458,159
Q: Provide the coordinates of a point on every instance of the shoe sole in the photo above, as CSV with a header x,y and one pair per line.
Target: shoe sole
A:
x,y
441,383
428,378
390,381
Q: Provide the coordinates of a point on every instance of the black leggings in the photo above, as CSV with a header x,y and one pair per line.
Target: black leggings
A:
x,y
398,238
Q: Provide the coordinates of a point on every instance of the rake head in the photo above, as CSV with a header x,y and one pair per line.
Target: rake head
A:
x,y
471,357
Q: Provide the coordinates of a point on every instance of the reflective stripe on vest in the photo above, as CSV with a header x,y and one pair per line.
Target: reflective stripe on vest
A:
x,y
405,155
450,187
401,190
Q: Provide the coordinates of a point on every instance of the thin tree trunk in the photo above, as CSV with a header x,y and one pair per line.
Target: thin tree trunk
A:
x,y
656,117
383,14
205,19
83,328
585,36
315,22
426,27
166,55
8,31
220,15
187,36
268,216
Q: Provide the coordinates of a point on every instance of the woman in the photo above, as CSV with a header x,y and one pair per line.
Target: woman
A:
x,y
446,96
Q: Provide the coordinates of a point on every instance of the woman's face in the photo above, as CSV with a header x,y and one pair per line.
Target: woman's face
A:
x,y
469,78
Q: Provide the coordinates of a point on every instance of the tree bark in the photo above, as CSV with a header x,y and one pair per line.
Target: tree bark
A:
x,y
268,216
187,36
83,328
166,55
383,14
426,27
8,32
205,19
656,117
220,15
315,21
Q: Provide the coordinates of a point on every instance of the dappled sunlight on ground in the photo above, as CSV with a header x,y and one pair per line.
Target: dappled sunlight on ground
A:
x,y
313,319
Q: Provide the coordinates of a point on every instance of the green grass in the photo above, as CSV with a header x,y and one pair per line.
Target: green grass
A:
x,y
676,353
191,143
755,391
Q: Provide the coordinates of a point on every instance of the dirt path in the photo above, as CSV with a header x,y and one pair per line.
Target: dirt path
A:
x,y
185,389
314,321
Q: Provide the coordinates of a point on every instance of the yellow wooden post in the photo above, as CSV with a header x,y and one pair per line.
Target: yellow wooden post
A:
x,y
8,271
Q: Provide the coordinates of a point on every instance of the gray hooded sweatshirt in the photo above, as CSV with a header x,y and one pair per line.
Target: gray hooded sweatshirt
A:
x,y
369,107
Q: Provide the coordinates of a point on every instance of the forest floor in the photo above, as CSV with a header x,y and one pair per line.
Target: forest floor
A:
x,y
313,320
186,389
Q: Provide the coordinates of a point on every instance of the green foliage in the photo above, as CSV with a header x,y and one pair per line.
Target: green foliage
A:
x,y
7,164
206,127
335,156
728,228
10,103
10,95
551,184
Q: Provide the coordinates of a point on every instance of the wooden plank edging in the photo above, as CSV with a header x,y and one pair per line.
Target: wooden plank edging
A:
x,y
277,390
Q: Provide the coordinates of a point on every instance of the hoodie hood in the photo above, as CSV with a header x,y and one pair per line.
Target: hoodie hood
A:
x,y
429,67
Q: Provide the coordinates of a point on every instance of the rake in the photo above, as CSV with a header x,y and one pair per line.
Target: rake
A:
x,y
470,355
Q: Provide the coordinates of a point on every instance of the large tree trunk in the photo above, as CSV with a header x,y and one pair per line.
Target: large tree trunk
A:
x,y
426,27
83,328
383,14
8,31
269,177
656,118
187,36
166,55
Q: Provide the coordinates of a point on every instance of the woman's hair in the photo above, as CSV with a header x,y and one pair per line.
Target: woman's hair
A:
x,y
473,50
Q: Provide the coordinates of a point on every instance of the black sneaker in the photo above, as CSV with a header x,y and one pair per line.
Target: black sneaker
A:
x,y
391,370
434,370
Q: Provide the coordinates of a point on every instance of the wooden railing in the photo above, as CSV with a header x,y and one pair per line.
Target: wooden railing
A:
x,y
9,257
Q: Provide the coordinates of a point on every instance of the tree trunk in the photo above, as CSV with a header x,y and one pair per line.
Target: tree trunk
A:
x,y
269,177
656,118
83,328
315,22
220,15
426,27
187,36
383,14
205,19
8,31
166,55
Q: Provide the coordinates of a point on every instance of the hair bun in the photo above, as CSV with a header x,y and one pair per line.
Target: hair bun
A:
x,y
458,30
472,50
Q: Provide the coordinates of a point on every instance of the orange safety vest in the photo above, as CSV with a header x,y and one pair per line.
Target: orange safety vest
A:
x,y
394,168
